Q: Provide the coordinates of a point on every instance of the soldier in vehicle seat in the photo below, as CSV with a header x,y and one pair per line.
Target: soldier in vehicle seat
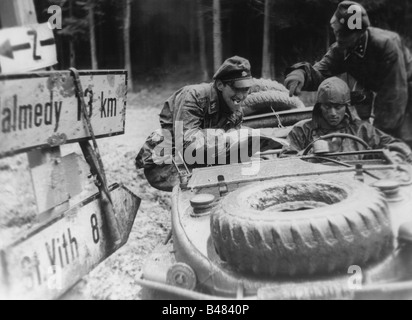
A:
x,y
333,113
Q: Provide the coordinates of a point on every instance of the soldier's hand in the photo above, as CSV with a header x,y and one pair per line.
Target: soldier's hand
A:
x,y
294,82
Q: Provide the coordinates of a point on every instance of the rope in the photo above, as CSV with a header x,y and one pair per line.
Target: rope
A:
x,y
280,125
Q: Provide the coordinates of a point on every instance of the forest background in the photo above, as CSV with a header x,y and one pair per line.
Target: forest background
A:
x,y
154,38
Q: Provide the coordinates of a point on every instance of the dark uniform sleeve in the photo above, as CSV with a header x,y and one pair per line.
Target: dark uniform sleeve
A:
x,y
330,65
392,96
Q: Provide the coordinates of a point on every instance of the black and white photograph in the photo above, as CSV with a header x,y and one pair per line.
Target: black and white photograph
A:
x,y
183,150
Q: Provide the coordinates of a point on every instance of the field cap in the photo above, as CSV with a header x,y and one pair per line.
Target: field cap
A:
x,y
340,19
235,70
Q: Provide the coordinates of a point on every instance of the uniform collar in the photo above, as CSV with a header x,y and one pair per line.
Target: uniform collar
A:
x,y
214,101
360,48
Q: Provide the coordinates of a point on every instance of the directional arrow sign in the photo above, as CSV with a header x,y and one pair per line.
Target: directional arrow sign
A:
x,y
28,48
7,50
49,260
43,110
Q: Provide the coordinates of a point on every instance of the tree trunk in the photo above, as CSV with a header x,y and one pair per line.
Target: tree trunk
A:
x,y
192,35
72,53
266,61
407,18
272,56
202,42
217,34
126,36
72,40
92,32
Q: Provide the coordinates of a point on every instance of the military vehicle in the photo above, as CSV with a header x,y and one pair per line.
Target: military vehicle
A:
x,y
308,227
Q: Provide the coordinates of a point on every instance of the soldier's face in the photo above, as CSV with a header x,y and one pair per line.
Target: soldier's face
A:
x,y
232,96
333,113
345,40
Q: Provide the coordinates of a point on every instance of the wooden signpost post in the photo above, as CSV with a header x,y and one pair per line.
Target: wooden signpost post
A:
x,y
39,112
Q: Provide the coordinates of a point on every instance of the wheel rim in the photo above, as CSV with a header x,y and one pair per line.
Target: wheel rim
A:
x,y
299,196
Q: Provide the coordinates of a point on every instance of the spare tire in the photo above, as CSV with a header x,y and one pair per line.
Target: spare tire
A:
x,y
267,85
303,227
267,101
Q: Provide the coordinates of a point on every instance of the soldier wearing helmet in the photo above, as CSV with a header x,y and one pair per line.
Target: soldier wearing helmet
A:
x,y
333,113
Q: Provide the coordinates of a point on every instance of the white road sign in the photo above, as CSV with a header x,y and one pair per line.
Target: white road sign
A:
x,y
27,48
43,110
53,257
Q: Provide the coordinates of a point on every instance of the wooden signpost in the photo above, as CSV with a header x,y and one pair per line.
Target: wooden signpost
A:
x,y
39,112
42,110
54,256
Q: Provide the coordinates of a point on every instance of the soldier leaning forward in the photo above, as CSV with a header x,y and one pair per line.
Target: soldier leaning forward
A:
x,y
201,113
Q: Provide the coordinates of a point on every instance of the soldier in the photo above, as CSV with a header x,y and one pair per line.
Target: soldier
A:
x,y
333,113
203,113
377,59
